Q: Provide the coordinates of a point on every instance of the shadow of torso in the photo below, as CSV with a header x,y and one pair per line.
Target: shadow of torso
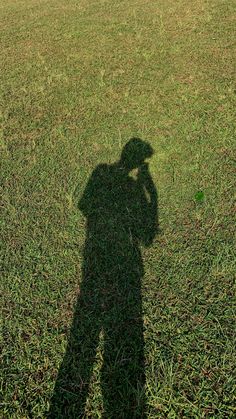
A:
x,y
114,206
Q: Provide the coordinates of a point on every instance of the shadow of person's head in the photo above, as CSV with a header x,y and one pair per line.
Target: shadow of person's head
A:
x,y
134,153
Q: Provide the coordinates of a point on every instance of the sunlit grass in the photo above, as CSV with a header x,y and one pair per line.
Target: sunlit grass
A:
x,y
78,79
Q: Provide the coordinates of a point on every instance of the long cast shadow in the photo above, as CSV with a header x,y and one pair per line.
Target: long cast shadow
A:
x,y
121,213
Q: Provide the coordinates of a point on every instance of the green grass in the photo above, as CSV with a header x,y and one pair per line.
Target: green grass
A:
x,y
78,80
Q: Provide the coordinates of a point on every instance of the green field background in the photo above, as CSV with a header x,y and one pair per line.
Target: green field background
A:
x,y
78,80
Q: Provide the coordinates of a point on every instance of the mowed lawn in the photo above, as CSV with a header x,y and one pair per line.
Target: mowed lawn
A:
x,y
79,78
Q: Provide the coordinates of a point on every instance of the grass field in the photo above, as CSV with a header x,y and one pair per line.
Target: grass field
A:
x,y
79,78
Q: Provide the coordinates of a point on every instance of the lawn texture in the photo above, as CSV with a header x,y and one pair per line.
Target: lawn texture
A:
x,y
78,79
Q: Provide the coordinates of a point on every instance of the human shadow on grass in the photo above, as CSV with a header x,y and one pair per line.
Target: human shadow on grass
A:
x,y
121,213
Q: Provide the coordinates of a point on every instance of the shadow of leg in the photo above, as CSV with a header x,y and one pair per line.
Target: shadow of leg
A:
x,y
123,374
72,385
